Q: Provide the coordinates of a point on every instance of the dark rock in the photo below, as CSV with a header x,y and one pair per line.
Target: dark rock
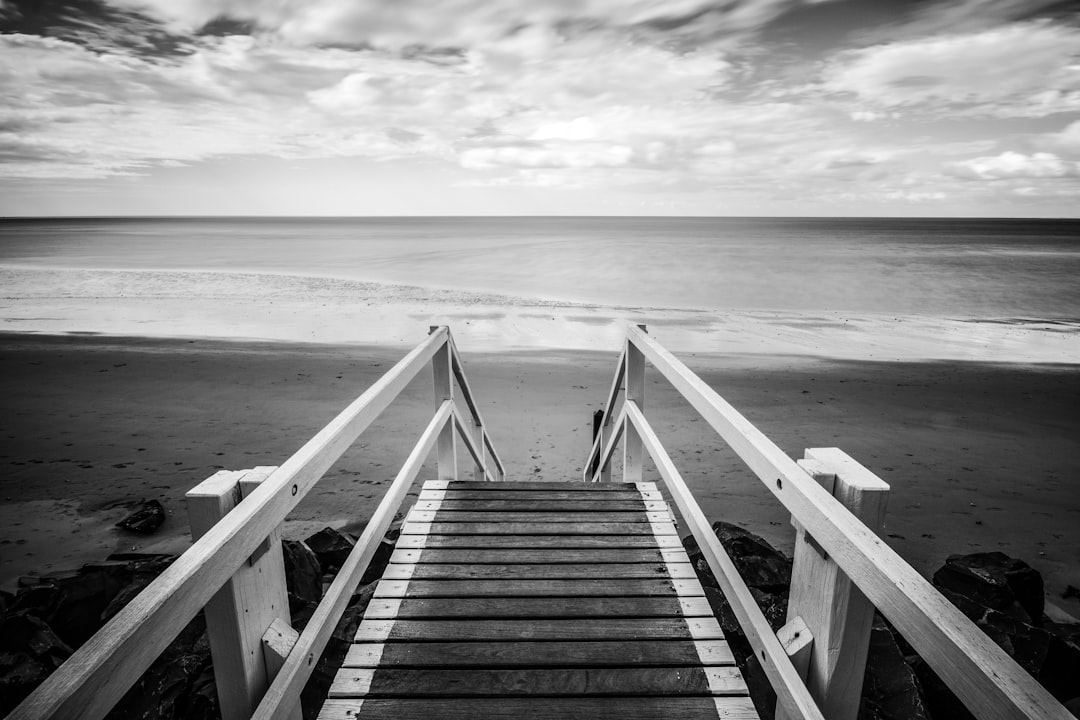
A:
x,y
759,688
760,564
1071,591
1025,643
997,581
73,603
146,520
303,579
1061,671
203,700
381,558
318,684
940,700
29,652
891,691
331,547
144,569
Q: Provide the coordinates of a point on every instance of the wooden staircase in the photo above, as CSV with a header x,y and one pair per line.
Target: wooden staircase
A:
x,y
539,600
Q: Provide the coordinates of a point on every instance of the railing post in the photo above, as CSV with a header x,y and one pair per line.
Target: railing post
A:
x,y
635,392
479,469
442,368
245,606
834,610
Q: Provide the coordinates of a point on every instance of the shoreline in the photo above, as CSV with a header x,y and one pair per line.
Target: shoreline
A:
x,y
980,455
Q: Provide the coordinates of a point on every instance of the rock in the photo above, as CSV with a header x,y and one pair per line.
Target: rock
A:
x,y
144,569
760,564
940,700
73,603
318,685
997,581
303,579
1061,671
29,652
891,691
146,520
381,558
331,547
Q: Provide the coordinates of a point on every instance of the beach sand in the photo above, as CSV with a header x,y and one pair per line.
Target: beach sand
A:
x,y
979,456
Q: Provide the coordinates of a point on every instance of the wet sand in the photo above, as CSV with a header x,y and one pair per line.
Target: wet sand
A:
x,y
979,456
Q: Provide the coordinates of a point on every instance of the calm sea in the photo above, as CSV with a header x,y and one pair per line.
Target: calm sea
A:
x,y
979,268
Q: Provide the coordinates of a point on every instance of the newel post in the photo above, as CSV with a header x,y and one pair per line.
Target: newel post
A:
x,y
834,610
247,605
443,371
635,392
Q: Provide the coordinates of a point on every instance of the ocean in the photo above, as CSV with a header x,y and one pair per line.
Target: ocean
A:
x,y
1005,271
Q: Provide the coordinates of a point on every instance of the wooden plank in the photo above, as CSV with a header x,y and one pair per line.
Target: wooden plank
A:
x,y
464,516
463,382
540,629
555,653
633,503
537,528
499,556
612,571
539,541
549,682
444,390
248,603
835,612
277,642
635,393
594,708
561,486
97,675
536,588
577,495
987,680
531,607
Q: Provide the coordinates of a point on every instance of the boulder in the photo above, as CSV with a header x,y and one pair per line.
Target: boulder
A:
x,y
891,691
73,603
760,564
303,580
331,547
1061,671
144,569
146,520
997,581
29,652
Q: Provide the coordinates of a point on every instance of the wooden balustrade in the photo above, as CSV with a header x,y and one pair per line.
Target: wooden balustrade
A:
x,y
237,551
842,568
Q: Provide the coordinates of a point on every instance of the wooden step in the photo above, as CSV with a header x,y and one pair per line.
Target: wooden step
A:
x,y
537,541
537,528
545,556
540,708
560,571
536,607
537,588
539,629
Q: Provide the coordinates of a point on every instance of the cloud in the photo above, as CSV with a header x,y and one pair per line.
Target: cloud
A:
x,y
1011,165
1025,69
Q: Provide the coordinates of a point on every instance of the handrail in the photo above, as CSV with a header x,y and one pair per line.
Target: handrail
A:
x,y
97,675
791,693
609,406
294,673
463,382
986,679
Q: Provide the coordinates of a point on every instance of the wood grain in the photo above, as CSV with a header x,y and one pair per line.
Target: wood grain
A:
x,y
501,556
533,607
538,541
533,528
537,588
594,708
542,629
564,571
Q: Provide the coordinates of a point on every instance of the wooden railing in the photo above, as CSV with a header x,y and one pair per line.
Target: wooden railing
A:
x,y
233,549
842,568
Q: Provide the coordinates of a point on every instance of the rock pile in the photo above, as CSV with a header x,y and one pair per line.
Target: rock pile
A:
x,y
1002,595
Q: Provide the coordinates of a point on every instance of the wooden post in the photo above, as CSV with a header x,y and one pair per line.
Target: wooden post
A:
x,y
597,431
834,610
479,469
635,392
442,368
245,606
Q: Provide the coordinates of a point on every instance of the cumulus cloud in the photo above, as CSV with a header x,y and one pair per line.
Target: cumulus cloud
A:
x,y
1025,69
1010,165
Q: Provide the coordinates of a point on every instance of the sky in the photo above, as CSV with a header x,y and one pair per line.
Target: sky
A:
x,y
540,107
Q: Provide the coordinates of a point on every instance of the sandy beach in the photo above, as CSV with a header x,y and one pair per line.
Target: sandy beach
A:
x,y
980,456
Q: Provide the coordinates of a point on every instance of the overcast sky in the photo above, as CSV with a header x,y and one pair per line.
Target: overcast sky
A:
x,y
626,107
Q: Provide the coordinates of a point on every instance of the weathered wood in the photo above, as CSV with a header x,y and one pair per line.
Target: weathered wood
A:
x,y
538,528
532,607
583,496
532,485
594,708
277,642
792,695
102,670
989,682
593,462
534,571
632,503
484,442
536,588
798,643
254,597
549,682
286,687
464,516
444,390
539,556
556,653
834,610
475,450
701,628
539,541
635,392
